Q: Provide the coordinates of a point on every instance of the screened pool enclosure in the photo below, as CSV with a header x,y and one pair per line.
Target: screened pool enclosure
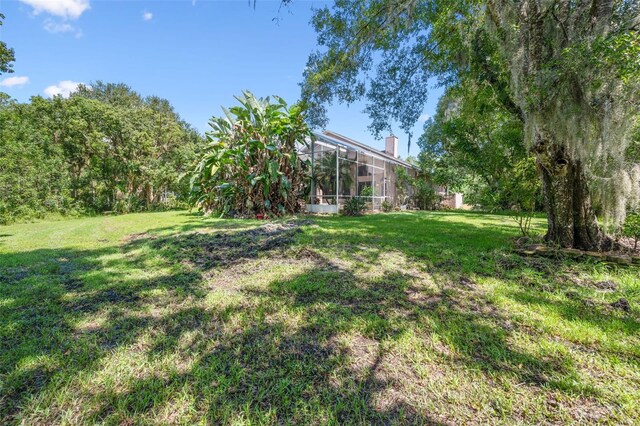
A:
x,y
344,168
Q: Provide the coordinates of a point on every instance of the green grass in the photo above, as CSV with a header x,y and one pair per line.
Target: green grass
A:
x,y
171,318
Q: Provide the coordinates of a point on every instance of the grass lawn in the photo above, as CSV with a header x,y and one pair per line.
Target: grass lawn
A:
x,y
165,318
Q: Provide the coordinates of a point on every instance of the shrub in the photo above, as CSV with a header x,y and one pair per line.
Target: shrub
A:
x,y
128,204
387,206
425,196
631,228
523,190
251,165
422,190
367,191
354,207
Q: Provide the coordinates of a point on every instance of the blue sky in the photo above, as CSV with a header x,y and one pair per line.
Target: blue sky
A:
x,y
197,54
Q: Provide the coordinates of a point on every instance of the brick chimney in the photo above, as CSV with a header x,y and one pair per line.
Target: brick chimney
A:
x,y
391,145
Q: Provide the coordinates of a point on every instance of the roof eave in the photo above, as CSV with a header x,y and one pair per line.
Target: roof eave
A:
x,y
339,139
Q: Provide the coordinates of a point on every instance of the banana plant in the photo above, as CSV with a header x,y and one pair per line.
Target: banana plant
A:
x,y
250,165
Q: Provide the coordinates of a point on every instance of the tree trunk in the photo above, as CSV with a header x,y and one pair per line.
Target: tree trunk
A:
x,y
571,218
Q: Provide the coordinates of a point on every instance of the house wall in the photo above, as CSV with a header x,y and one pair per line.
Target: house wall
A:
x,y
452,201
344,172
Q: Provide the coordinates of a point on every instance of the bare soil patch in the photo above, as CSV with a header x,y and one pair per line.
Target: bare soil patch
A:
x,y
225,249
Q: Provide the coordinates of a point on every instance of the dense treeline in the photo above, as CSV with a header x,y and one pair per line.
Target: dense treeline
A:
x,y
105,148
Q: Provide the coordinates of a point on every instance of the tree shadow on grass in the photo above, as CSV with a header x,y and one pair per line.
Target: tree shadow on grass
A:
x,y
311,347
388,306
197,221
332,361
431,238
582,310
3,237
48,294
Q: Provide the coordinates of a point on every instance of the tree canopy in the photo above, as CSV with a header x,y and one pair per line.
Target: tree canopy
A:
x,y
7,55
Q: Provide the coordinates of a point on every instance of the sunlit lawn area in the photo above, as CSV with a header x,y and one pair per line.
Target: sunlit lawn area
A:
x,y
419,317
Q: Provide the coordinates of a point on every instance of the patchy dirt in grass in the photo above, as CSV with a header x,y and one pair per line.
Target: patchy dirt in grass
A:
x,y
141,236
369,331
386,377
587,411
573,278
308,254
93,301
304,346
606,285
422,297
467,283
13,275
72,283
361,285
398,388
362,352
621,304
447,265
231,278
207,250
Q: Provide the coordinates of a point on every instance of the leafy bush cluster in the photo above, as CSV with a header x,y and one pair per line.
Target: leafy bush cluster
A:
x,y
251,165
417,191
354,206
367,191
103,149
387,206
631,228
523,190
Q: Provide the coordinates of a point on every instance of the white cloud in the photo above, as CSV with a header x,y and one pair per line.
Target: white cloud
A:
x,y
424,117
58,27
64,89
147,16
67,9
61,27
14,81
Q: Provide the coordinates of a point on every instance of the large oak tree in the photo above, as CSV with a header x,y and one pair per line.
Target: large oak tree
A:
x,y
570,71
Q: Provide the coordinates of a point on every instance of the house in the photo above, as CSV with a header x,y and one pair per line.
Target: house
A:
x,y
344,168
